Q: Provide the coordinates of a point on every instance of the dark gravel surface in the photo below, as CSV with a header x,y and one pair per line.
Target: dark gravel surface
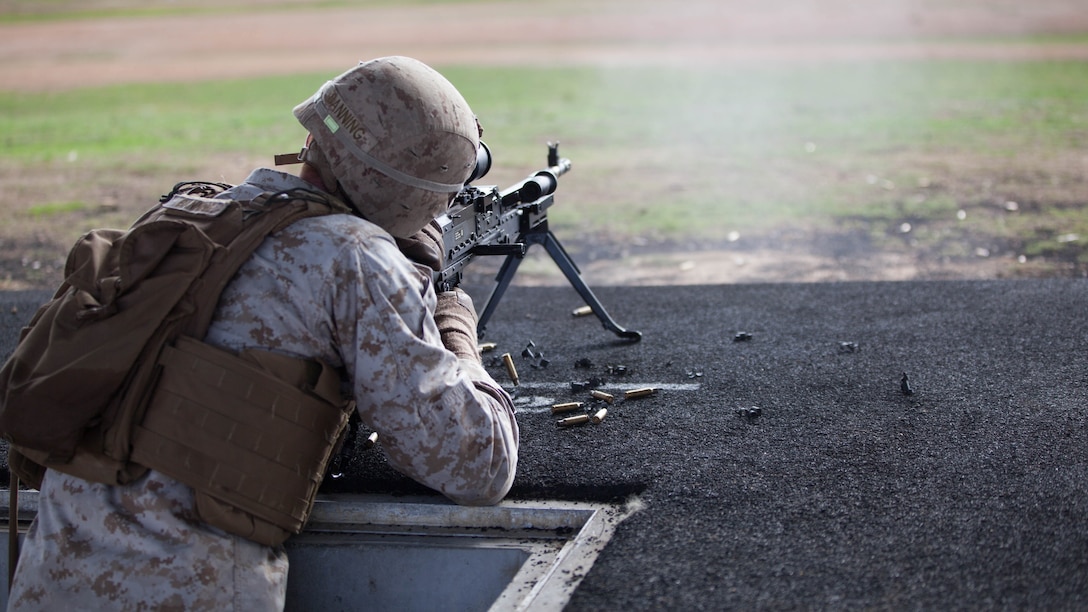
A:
x,y
782,465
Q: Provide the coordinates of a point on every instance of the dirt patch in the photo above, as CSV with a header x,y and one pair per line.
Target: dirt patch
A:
x,y
802,257
261,40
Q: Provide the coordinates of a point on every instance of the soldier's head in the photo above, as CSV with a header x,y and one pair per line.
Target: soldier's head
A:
x,y
395,138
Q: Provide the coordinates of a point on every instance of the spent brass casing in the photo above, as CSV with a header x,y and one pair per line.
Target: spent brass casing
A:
x,y
510,369
601,395
486,347
578,419
371,440
582,311
566,407
633,393
598,416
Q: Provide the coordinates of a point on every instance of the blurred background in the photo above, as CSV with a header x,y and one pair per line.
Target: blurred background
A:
x,y
711,141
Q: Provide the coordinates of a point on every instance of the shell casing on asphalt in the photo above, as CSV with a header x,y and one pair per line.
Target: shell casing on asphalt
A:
x,y
598,416
371,440
566,407
486,347
510,369
578,419
633,393
601,395
582,311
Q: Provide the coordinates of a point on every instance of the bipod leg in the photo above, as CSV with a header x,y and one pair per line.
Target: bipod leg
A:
x,y
503,278
570,270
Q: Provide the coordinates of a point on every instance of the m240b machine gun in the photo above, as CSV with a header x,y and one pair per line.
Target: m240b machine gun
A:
x,y
482,220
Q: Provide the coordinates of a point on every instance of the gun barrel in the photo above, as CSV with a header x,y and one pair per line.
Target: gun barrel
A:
x,y
561,167
541,184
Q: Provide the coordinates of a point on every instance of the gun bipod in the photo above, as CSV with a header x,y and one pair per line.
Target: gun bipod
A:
x,y
543,236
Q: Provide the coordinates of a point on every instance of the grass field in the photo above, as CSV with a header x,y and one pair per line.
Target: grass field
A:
x,y
954,159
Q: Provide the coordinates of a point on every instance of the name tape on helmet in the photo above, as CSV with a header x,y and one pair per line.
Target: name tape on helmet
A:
x,y
345,138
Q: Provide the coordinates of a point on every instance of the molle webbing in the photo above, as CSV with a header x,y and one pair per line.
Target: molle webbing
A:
x,y
242,431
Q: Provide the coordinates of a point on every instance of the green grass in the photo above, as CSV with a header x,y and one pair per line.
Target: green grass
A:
x,y
656,115
137,120
51,209
672,152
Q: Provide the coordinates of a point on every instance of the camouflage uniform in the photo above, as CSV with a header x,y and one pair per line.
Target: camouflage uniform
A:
x,y
334,288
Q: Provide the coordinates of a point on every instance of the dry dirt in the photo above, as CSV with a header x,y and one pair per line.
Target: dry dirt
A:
x,y
54,55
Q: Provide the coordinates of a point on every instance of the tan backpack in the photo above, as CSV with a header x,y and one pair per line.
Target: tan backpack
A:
x,y
106,379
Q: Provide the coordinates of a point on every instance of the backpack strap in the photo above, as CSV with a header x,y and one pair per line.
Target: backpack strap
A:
x,y
239,227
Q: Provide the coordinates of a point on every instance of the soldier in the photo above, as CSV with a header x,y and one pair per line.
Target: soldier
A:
x,y
394,140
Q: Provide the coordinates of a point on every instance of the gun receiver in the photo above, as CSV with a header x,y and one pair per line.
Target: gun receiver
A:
x,y
486,221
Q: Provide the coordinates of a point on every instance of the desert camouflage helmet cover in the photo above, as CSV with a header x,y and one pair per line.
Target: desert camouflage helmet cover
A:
x,y
398,138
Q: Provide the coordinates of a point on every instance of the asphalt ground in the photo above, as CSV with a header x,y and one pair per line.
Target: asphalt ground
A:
x,y
781,464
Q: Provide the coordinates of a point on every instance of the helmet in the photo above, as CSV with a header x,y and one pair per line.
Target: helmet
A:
x,y
397,138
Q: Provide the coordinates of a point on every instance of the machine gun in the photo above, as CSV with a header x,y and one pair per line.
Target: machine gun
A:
x,y
486,221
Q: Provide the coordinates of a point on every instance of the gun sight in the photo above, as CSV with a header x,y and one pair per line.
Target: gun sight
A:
x,y
483,163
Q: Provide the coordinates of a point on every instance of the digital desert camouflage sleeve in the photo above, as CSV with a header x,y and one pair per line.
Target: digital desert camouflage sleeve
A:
x,y
337,288
442,421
